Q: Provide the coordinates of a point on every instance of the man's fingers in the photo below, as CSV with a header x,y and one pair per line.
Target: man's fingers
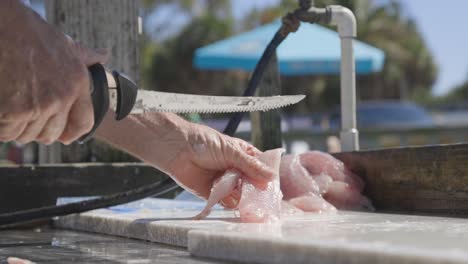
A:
x,y
32,130
243,157
253,168
53,129
91,56
87,55
248,148
80,120
11,131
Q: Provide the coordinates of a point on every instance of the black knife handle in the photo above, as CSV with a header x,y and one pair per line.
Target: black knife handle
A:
x,y
99,97
126,96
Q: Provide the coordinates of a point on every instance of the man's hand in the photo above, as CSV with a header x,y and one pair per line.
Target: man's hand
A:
x,y
193,155
206,154
45,84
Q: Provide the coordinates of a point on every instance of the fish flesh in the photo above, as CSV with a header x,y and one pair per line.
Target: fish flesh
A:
x,y
12,260
301,189
310,182
346,196
295,179
288,209
317,163
255,204
312,203
220,190
262,205
317,182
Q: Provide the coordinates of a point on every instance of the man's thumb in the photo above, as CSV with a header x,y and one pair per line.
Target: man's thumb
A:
x,y
93,56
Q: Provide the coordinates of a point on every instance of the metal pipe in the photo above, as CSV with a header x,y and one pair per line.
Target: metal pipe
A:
x,y
349,134
344,19
346,22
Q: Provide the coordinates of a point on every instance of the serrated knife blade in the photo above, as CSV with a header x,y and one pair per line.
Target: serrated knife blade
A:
x,y
152,101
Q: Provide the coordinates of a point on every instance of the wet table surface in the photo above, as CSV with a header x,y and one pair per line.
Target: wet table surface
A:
x,y
47,245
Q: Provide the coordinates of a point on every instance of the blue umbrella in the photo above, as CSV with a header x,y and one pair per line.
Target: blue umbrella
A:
x,y
313,49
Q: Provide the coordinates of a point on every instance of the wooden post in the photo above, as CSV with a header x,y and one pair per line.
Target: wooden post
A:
x,y
266,126
110,24
51,154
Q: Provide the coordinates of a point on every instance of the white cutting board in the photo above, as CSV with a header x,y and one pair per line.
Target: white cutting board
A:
x,y
346,237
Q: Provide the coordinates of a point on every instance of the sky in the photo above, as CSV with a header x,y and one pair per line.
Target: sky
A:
x,y
443,27
445,30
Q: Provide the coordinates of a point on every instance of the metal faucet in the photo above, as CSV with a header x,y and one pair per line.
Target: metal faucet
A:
x,y
345,21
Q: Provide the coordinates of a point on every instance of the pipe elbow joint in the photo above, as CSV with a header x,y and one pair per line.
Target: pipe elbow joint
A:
x,y
313,15
344,19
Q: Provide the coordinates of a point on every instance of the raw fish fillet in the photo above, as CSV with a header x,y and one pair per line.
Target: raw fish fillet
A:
x,y
260,206
323,181
345,196
311,182
316,163
12,260
312,203
295,179
317,182
221,189
288,209
255,205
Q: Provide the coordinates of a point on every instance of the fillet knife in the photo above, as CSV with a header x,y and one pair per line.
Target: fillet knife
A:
x,y
116,91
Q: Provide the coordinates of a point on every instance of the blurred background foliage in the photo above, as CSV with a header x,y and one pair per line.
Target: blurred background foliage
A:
x,y
169,44
174,29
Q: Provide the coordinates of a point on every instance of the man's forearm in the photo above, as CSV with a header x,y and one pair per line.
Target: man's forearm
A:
x,y
151,137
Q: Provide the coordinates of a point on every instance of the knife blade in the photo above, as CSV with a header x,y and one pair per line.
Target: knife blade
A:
x,y
116,91
153,101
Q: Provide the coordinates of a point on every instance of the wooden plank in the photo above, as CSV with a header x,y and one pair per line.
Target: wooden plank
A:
x,y
430,179
266,126
24,187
